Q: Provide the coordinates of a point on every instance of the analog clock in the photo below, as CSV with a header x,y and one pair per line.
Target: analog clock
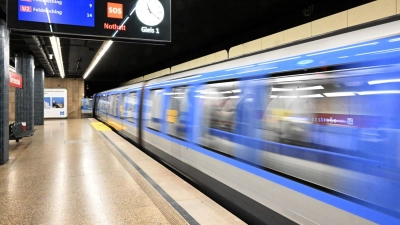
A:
x,y
150,12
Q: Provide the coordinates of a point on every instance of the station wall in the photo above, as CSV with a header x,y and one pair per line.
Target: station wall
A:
x,y
75,87
375,10
362,14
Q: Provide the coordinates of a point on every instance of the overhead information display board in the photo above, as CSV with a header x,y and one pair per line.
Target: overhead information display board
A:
x,y
125,20
70,12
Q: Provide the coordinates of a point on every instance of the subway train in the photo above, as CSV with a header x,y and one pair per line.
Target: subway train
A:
x,y
307,132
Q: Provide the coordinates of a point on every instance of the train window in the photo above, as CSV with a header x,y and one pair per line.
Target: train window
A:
x,y
129,107
219,102
103,104
116,105
177,112
155,109
122,106
340,115
111,100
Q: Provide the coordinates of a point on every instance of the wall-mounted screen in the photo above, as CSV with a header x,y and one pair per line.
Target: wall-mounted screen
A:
x,y
124,20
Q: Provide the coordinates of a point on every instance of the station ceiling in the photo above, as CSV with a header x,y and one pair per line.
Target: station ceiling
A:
x,y
198,28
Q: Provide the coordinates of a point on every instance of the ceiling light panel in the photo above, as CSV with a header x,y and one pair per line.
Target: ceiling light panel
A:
x,y
339,94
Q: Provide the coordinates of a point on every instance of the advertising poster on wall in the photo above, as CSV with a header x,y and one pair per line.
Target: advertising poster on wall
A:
x,y
55,103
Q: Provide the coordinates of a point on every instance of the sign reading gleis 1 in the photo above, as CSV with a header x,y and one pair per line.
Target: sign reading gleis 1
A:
x,y
125,20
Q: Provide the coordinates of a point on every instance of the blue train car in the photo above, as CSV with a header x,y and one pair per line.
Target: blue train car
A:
x,y
305,133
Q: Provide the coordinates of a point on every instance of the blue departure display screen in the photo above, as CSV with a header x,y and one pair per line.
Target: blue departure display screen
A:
x,y
117,20
69,12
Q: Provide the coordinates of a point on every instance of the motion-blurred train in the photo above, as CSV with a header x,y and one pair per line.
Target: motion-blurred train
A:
x,y
307,132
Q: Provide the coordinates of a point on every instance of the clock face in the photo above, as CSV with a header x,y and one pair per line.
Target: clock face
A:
x,y
150,12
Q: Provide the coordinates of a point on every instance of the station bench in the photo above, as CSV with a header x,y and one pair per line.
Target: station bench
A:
x,y
16,132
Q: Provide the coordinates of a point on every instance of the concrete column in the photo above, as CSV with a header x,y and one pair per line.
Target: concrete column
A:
x,y
24,108
4,95
39,96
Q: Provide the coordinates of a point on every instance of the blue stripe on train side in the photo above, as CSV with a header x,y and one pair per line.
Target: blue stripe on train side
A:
x,y
343,204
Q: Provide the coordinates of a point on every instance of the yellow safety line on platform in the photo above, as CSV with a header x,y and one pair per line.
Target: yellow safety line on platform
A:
x,y
100,126
117,126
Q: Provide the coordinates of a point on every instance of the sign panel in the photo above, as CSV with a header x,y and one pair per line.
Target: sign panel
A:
x,y
125,20
15,80
70,12
55,103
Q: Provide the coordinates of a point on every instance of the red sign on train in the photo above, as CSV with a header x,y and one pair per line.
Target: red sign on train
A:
x,y
15,80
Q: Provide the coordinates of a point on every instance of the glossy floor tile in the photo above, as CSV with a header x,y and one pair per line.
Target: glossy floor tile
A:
x,y
69,173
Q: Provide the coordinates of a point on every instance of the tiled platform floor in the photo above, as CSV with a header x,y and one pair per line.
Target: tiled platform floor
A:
x,y
69,173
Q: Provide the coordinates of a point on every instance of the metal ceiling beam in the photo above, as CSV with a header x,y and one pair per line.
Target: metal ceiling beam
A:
x,y
40,53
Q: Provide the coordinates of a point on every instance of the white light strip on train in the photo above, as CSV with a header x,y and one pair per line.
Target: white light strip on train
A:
x,y
103,49
312,96
394,40
280,60
294,96
340,49
379,92
238,68
380,52
174,93
339,94
12,69
319,87
236,91
383,81
281,89
274,96
55,44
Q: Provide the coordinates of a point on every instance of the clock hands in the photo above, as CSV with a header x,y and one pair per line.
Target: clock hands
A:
x,y
148,8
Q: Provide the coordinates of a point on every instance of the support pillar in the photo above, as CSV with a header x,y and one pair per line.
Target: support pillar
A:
x,y
4,95
24,108
39,97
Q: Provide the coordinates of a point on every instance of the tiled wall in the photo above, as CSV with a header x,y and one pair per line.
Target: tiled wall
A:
x,y
11,104
38,97
75,89
4,59
365,13
24,107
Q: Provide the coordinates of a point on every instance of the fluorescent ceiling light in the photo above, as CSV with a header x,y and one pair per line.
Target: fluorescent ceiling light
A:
x,y
250,71
274,96
237,91
55,44
178,97
103,49
383,81
319,87
339,94
233,96
226,92
342,57
12,69
288,96
281,89
210,92
379,92
174,93
312,96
